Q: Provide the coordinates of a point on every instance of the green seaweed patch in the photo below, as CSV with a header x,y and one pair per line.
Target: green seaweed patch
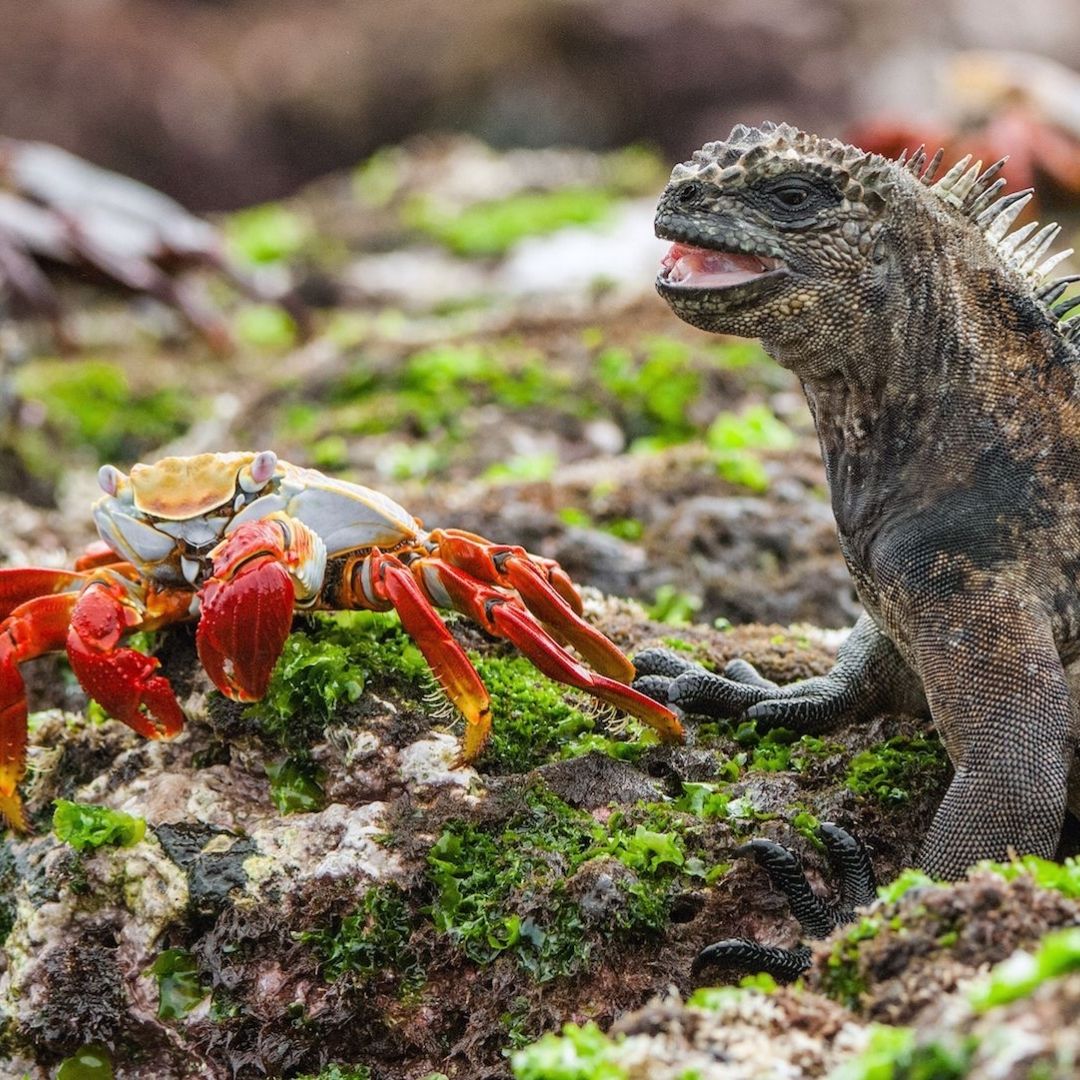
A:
x,y
736,438
674,607
340,1072
296,785
431,393
91,404
326,667
900,767
580,1053
893,1053
86,827
494,227
90,1062
532,720
1063,877
180,987
264,326
373,941
266,234
906,881
503,889
1022,973
652,392
843,979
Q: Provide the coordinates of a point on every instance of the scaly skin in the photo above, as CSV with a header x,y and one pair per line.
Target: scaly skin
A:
x,y
943,386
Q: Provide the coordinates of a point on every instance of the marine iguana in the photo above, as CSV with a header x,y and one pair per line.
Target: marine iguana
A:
x,y
942,376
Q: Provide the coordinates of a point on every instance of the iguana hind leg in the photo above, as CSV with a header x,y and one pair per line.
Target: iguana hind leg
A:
x,y
870,677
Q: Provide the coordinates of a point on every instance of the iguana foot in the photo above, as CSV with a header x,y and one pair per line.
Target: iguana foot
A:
x,y
857,886
810,705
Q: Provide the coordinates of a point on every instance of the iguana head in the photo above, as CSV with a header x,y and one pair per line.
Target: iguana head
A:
x,y
803,241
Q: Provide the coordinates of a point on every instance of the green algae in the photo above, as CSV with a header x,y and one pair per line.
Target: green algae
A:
x,y
266,234
180,987
91,405
893,1053
504,889
581,1052
86,827
375,939
494,227
894,771
1018,977
296,785
90,1062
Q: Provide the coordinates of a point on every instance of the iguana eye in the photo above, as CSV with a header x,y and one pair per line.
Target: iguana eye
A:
x,y
791,197
689,193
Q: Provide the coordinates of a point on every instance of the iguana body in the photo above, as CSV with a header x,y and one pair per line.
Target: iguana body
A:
x,y
944,389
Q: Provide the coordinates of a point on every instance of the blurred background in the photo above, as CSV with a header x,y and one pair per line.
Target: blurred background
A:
x,y
427,258
222,103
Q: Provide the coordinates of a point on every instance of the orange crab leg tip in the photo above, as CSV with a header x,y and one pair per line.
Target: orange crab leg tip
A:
x,y
11,810
244,623
547,655
548,604
446,658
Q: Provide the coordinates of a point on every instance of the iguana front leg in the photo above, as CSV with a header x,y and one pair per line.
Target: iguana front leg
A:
x,y
1000,699
869,677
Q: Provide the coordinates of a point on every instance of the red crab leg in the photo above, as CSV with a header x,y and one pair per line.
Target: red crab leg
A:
x,y
247,607
33,628
543,586
22,583
122,680
392,581
503,615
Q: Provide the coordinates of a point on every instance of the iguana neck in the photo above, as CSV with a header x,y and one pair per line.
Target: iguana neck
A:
x,y
933,384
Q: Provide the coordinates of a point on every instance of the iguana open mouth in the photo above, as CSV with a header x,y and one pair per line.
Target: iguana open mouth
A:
x,y
688,267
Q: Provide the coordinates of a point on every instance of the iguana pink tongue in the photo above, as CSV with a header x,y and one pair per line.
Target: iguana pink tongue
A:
x,y
702,268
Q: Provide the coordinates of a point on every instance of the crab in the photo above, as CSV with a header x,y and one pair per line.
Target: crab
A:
x,y
242,541
57,208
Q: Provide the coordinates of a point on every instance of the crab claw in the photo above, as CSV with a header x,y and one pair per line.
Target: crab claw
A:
x,y
544,587
34,627
121,680
247,609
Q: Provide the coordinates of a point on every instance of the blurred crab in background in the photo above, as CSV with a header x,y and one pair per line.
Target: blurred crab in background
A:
x,y
57,209
998,104
241,541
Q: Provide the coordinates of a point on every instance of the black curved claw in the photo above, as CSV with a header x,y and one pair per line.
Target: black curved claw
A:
x,y
786,873
856,886
741,954
850,861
